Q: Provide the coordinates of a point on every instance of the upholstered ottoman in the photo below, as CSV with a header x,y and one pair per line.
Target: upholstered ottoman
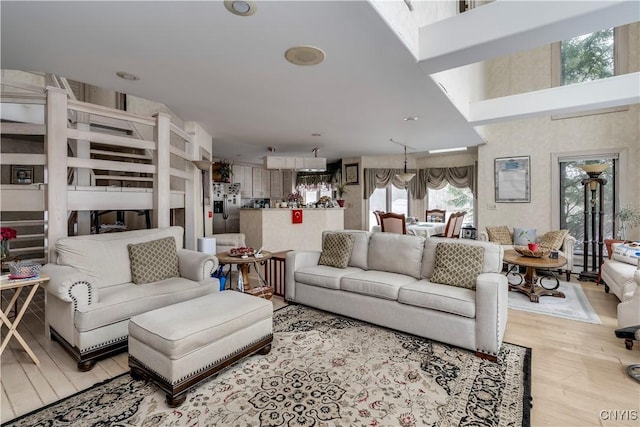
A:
x,y
181,345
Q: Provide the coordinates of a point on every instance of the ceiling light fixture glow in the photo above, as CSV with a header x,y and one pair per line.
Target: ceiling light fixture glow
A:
x,y
304,55
410,119
447,150
127,76
240,7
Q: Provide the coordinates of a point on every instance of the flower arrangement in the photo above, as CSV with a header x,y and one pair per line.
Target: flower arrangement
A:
x,y
8,233
295,197
341,189
324,200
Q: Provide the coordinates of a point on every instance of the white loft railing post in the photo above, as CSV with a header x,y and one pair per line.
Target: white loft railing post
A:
x,y
161,179
191,188
83,175
56,168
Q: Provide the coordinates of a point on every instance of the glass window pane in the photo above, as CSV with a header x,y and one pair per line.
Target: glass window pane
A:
x,y
399,201
452,199
587,57
377,202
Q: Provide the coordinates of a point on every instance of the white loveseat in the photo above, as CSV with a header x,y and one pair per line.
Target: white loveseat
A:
x,y
566,250
387,283
91,297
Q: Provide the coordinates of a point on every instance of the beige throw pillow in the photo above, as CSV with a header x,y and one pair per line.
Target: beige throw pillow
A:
x,y
153,261
458,264
553,239
336,250
500,234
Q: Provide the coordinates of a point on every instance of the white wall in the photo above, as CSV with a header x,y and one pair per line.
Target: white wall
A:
x,y
540,137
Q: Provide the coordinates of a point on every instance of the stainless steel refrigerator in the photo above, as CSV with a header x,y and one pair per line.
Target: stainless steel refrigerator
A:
x,y
226,208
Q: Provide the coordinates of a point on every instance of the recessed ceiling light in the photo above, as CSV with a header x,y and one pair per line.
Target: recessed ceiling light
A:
x,y
127,76
410,119
316,134
240,7
304,55
447,150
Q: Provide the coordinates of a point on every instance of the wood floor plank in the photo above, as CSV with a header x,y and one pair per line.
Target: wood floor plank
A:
x,y
7,412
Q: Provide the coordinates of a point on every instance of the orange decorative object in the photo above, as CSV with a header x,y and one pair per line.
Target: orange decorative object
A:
x,y
296,216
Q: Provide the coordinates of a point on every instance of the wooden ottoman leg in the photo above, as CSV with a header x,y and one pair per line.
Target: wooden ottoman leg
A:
x,y
265,350
175,401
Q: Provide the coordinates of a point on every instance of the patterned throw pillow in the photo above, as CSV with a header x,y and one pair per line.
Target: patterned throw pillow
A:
x,y
153,261
336,249
553,239
500,234
458,264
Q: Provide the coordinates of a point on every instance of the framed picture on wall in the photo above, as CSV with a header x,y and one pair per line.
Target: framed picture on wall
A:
x,y
513,179
351,174
21,174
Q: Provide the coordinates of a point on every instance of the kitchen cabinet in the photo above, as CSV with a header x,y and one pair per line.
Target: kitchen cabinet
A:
x,y
244,176
275,191
261,182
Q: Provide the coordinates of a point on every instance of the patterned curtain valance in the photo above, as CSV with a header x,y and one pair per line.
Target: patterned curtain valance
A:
x,y
435,178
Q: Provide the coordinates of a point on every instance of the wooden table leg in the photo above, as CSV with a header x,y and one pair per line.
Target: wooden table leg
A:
x,y
13,327
531,288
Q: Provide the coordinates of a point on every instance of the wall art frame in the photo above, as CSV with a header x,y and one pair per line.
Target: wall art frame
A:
x,y
512,179
21,174
351,176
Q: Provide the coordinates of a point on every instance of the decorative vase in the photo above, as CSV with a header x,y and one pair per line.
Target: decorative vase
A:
x,y
533,247
341,203
4,249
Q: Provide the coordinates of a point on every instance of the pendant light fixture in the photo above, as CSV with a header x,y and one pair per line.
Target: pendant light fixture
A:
x,y
405,176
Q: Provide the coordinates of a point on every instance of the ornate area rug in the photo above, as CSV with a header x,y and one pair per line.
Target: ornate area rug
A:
x,y
575,306
323,370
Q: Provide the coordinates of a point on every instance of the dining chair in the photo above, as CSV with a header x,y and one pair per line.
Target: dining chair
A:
x,y
377,213
454,225
393,223
436,215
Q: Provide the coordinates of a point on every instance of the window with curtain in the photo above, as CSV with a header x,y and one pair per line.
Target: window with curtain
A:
x,y
387,199
451,199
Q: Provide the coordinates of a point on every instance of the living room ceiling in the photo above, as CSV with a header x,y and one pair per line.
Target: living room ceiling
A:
x,y
229,73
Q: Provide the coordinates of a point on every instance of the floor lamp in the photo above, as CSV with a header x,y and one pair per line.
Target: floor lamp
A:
x,y
204,166
593,214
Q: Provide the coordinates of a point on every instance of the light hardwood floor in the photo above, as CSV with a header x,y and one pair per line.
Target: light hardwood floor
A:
x,y
578,368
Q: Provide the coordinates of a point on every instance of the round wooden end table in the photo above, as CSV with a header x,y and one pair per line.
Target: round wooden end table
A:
x,y
530,284
243,267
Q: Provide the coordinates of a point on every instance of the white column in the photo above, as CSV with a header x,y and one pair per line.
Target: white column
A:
x,y
56,168
192,192
83,175
161,179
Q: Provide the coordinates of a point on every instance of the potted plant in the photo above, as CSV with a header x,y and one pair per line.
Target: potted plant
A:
x,y
533,246
341,190
629,218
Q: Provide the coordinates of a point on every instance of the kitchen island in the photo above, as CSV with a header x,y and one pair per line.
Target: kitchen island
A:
x,y
274,229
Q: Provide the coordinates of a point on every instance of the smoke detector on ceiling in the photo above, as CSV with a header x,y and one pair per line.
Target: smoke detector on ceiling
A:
x,y
240,7
304,55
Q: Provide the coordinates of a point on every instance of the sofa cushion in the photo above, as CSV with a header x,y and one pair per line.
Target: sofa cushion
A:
x,y
121,302
628,252
553,239
396,253
360,247
435,296
336,250
523,236
457,264
323,276
379,284
105,256
492,260
500,234
153,261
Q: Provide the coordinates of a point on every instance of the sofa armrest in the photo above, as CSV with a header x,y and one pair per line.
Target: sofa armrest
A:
x,y
483,236
295,261
629,310
567,248
492,295
70,285
196,266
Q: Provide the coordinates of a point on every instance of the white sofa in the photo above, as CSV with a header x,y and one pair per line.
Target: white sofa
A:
x,y
566,250
90,296
618,272
387,283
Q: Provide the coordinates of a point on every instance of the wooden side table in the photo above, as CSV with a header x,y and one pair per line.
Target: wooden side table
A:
x,y
243,266
530,285
19,285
